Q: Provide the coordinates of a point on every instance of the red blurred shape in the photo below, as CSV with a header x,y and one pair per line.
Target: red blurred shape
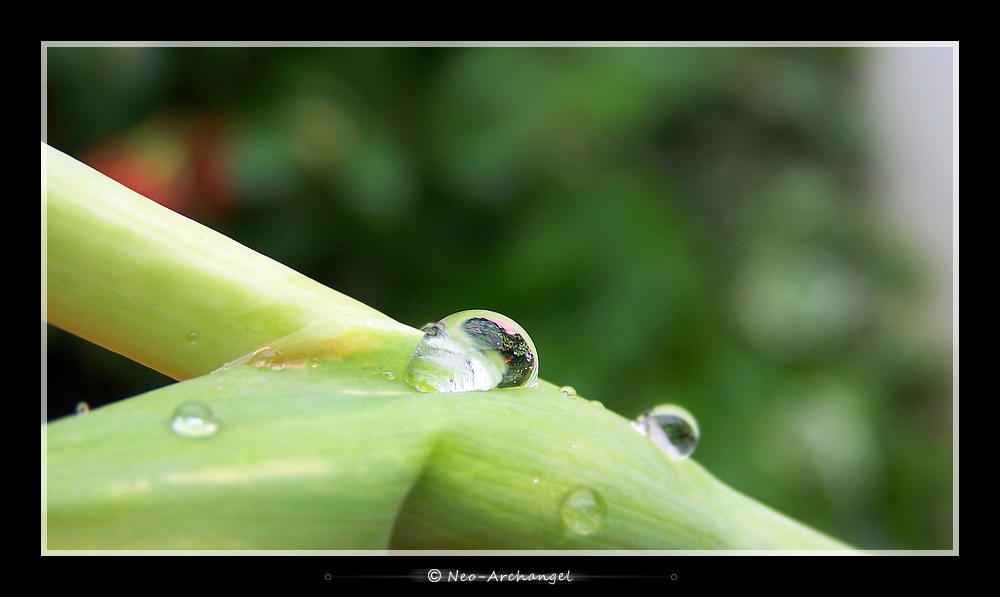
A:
x,y
183,164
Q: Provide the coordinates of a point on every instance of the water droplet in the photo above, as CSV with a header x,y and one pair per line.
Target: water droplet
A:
x,y
267,357
202,239
261,358
195,419
82,408
567,391
385,374
583,511
314,362
672,428
192,337
470,351
535,480
597,404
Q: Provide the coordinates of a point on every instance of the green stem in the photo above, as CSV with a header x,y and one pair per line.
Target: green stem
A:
x,y
141,280
343,455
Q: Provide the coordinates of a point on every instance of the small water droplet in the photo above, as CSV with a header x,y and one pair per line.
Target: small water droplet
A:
x,y
192,337
82,408
219,386
384,373
567,391
267,357
672,428
202,239
597,404
535,480
583,510
194,420
574,446
314,362
470,351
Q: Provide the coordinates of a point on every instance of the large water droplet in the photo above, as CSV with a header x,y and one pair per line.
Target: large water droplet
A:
x,y
673,429
194,420
473,350
583,511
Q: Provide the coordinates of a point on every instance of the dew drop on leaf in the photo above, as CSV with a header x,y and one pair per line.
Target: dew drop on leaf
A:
x,y
195,420
267,357
384,373
672,428
82,408
567,391
473,351
583,511
262,358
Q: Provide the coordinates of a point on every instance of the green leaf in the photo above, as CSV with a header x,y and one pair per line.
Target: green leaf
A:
x,y
328,449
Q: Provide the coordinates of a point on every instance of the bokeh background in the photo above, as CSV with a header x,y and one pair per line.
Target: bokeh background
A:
x,y
728,229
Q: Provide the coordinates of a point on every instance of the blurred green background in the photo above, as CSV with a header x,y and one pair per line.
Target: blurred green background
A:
x,y
687,225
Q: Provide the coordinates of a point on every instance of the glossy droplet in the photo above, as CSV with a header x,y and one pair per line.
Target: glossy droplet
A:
x,y
267,357
82,408
470,351
567,391
535,481
262,358
314,362
597,404
192,337
385,374
195,420
673,429
583,511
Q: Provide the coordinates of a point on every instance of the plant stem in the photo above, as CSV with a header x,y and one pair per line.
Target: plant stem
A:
x,y
130,275
334,456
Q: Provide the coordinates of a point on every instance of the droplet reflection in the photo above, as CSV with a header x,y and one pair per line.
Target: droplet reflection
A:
x,y
672,428
473,351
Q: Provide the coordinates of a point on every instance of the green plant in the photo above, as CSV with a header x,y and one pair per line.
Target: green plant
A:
x,y
326,448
